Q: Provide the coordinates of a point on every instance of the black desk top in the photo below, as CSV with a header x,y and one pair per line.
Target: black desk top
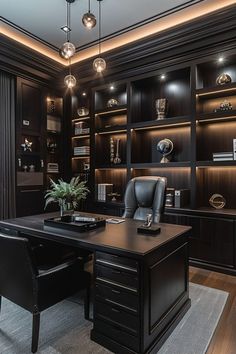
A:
x,y
121,237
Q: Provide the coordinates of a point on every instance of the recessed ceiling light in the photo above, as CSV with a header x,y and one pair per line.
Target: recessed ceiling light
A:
x,y
163,77
65,29
84,94
220,59
112,87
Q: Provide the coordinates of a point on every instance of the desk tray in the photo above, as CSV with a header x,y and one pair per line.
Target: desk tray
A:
x,y
75,222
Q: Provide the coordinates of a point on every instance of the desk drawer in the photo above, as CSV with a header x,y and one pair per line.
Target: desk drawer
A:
x,y
120,297
117,276
112,259
117,335
117,317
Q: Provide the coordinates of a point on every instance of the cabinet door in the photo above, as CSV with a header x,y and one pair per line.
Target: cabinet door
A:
x,y
29,201
211,240
214,242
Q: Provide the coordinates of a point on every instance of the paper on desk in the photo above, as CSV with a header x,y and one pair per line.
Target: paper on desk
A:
x,y
115,221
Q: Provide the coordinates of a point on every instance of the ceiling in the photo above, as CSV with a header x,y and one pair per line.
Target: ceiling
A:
x,y
37,23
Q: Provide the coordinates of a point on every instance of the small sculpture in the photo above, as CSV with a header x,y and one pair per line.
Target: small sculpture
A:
x,y
224,106
112,102
217,201
165,147
117,159
82,111
31,168
161,108
112,150
27,146
223,79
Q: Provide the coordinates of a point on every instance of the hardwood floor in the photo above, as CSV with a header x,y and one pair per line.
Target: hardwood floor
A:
x,y
224,339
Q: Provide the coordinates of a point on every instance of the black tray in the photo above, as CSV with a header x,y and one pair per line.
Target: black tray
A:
x,y
75,223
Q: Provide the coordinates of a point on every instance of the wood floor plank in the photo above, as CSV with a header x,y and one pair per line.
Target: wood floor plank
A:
x,y
224,339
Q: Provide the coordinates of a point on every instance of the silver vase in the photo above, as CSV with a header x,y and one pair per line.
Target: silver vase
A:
x,y
161,107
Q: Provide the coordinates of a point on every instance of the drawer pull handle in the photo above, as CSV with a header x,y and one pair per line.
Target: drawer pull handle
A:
x,y
115,310
116,272
115,291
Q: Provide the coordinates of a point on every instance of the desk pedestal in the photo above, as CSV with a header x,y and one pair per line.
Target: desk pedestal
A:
x,y
139,301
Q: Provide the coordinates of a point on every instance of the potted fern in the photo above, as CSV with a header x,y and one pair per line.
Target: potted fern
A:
x,y
67,195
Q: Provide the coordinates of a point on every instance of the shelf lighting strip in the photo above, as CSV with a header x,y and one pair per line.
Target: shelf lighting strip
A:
x,y
81,157
162,126
112,132
113,111
81,136
217,91
79,119
216,119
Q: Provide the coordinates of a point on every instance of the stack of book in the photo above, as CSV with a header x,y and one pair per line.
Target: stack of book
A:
x,y
81,150
223,156
80,130
52,167
103,189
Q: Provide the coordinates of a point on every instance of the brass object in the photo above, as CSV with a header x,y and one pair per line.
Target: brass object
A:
x,y
223,79
161,108
112,102
217,201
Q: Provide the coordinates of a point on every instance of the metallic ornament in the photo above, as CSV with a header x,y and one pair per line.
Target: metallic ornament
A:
x,y
223,79
217,201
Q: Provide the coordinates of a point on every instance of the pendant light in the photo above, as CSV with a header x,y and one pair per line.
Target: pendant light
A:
x,y
99,64
70,80
88,19
68,49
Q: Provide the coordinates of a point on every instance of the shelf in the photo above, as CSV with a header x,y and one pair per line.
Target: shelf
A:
x,y
110,110
53,173
81,136
53,132
217,91
81,157
159,165
111,167
217,116
33,154
115,129
162,123
215,163
80,119
207,211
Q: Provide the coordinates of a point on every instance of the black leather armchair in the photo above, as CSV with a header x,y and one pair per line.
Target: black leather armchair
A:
x,y
37,287
145,195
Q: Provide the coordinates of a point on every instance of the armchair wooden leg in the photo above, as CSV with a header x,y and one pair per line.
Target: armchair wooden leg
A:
x,y
35,332
87,303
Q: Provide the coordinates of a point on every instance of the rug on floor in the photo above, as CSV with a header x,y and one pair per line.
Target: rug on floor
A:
x,y
63,329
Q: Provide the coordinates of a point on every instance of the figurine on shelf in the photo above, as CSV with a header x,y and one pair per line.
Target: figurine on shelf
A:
x,y
117,159
52,107
25,168
82,111
223,79
112,150
112,102
31,168
86,167
113,196
224,106
27,146
51,146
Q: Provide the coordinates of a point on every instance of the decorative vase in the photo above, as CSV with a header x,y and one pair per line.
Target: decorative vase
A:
x,y
161,108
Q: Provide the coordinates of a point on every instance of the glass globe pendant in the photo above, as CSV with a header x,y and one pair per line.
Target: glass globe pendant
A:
x,y
67,50
89,20
70,81
99,65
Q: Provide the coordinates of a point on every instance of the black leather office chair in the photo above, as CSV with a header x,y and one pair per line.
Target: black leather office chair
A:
x,y
36,287
145,195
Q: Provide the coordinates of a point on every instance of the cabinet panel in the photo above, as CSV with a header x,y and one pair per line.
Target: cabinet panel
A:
x,y
212,240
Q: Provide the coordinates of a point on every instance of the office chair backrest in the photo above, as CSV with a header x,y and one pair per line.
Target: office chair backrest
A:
x,y
145,195
17,271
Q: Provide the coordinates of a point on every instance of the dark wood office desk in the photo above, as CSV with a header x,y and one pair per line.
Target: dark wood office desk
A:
x,y
141,282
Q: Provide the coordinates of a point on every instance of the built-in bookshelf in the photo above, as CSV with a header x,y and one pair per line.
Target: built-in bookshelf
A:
x,y
199,119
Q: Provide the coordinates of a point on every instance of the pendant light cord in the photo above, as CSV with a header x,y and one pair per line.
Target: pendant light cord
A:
x,y
89,6
68,21
99,27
